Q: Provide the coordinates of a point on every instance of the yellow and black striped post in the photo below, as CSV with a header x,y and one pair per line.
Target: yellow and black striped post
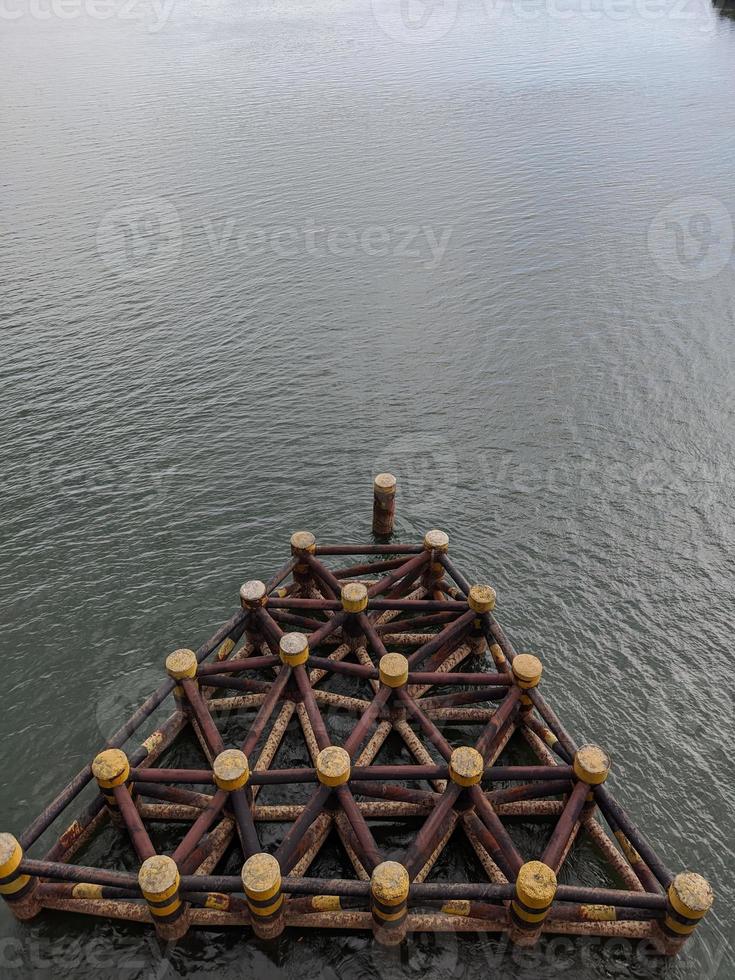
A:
x,y
389,886
437,543
181,665
535,893
159,882
527,670
690,898
303,542
111,768
481,599
384,504
261,882
18,890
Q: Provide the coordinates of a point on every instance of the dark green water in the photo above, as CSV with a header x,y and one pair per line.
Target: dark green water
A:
x,y
253,254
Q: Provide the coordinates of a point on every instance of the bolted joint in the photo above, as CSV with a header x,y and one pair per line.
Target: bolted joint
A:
x,y
182,665
535,892
481,598
393,669
293,649
591,765
159,883
231,770
333,766
466,766
436,540
261,882
354,597
18,889
253,594
389,886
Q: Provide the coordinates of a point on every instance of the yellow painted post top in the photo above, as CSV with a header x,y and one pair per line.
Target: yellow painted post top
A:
x,y
261,877
481,598
333,766
536,885
302,541
436,540
181,664
527,670
385,483
466,766
591,765
294,649
691,895
231,769
354,597
393,668
158,878
111,768
11,854
389,883
253,594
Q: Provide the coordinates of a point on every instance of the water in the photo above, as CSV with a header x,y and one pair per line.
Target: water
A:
x,y
253,254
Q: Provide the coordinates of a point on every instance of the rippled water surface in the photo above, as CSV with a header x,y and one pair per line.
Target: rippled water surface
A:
x,y
253,253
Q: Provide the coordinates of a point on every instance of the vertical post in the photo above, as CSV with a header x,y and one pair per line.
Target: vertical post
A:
x,y
480,599
293,649
436,542
591,766
19,891
689,898
253,596
261,882
384,504
354,598
535,893
111,768
393,670
389,887
181,665
527,671
303,542
159,881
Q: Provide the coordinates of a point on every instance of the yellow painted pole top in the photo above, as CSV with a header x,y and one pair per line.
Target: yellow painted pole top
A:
x,y
294,649
591,765
181,664
354,597
481,598
253,594
393,668
333,766
111,768
231,769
